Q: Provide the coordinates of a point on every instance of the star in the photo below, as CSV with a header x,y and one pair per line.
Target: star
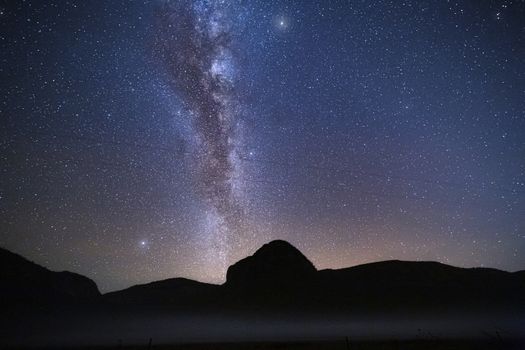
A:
x,y
281,23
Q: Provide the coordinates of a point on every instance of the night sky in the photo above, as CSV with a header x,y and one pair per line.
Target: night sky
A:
x,y
154,139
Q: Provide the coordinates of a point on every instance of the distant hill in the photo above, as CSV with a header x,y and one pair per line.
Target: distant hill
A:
x,y
278,277
23,281
421,285
176,292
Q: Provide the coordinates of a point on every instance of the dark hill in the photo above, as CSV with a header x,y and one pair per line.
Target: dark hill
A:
x,y
23,281
415,285
180,292
275,264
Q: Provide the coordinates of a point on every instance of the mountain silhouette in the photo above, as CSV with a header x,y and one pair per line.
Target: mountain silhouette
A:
x,y
279,277
276,292
180,293
408,285
277,262
25,282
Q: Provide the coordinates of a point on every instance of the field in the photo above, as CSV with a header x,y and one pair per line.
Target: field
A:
x,y
335,344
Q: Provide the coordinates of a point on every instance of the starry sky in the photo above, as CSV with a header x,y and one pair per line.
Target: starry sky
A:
x,y
143,140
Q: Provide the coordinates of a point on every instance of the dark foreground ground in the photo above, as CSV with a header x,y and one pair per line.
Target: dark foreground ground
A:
x,y
341,344
132,330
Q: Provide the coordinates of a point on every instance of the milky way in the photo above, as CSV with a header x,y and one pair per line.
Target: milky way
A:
x,y
195,44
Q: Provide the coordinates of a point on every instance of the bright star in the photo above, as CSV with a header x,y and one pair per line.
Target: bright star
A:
x,y
282,23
